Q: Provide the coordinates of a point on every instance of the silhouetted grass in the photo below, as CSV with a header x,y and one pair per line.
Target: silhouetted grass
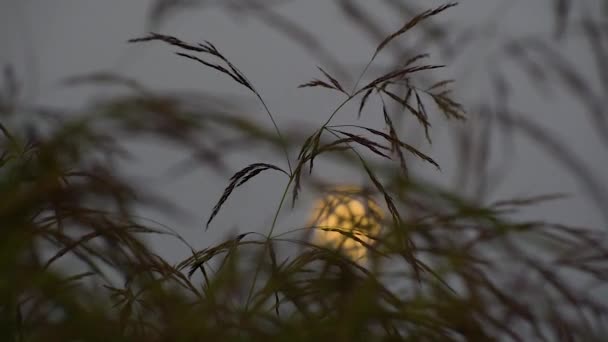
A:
x,y
442,268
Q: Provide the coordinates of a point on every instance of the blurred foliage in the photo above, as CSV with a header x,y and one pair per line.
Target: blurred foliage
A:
x,y
444,267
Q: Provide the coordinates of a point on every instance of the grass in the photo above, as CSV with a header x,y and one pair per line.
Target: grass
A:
x,y
442,268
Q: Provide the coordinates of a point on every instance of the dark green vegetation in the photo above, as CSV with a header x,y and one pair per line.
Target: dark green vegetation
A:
x,y
445,267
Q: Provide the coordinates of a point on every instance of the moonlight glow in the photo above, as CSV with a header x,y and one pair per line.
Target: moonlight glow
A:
x,y
348,210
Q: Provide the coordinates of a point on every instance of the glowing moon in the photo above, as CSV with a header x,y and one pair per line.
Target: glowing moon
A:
x,y
346,209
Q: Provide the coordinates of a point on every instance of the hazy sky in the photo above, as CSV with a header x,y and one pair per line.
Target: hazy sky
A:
x,y
50,40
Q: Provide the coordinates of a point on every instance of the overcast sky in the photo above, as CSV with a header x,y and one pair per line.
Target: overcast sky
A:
x,y
50,40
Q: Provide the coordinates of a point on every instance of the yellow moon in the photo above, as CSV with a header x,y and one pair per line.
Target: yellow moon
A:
x,y
346,209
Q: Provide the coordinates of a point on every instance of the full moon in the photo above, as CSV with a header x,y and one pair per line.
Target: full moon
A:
x,y
346,209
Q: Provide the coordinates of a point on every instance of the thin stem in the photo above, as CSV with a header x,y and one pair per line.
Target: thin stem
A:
x,y
268,239
276,215
276,128
350,97
363,73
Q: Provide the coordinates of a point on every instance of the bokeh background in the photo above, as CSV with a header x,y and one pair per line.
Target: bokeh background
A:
x,y
280,44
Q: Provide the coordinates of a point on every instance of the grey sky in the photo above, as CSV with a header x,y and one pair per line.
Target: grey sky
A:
x,y
50,40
